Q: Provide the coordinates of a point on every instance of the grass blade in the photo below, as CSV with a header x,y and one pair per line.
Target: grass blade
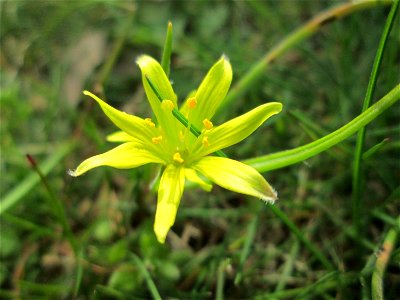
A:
x,y
13,197
296,231
150,283
166,55
357,161
250,235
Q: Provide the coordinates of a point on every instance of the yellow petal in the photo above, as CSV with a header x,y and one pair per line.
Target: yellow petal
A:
x,y
126,156
192,175
120,137
236,176
163,111
237,129
134,126
169,195
212,91
153,70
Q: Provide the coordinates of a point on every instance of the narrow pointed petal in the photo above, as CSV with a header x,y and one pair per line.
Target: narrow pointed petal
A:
x,y
192,176
236,176
153,71
120,137
169,195
132,125
212,91
237,129
125,156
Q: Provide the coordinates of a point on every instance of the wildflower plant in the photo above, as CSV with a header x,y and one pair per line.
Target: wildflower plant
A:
x,y
184,140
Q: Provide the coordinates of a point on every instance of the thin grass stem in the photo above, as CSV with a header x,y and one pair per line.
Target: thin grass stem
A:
x,y
288,267
374,149
221,279
59,211
296,231
17,194
56,204
358,151
25,224
149,281
250,235
102,290
365,274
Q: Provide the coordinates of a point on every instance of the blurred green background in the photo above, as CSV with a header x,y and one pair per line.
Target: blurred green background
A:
x,y
222,244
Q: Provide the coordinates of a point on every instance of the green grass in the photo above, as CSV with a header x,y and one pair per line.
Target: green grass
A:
x,y
92,238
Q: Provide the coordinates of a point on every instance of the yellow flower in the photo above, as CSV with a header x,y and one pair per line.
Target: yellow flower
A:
x,y
171,144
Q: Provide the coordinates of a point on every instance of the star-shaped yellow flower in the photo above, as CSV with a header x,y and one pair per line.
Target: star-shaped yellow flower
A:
x,y
173,145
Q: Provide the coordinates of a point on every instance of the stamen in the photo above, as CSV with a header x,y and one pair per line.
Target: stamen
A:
x,y
192,102
207,124
167,104
205,141
178,158
149,122
156,140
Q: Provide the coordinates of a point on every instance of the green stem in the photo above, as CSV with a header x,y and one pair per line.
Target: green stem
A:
x,y
221,279
56,204
297,36
289,157
17,194
321,286
28,225
296,231
150,283
288,266
250,236
357,161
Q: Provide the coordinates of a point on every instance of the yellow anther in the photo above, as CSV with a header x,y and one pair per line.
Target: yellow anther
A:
x,y
205,141
149,122
192,102
156,140
207,124
167,104
178,158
